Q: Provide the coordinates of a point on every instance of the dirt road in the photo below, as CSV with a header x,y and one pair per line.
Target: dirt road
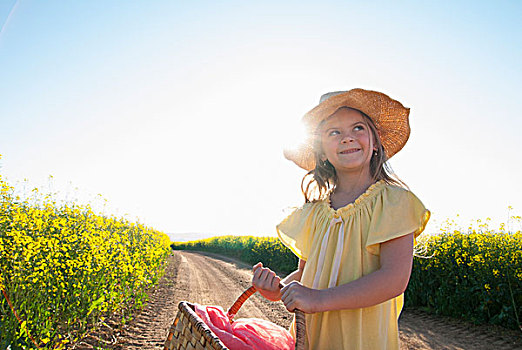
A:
x,y
209,279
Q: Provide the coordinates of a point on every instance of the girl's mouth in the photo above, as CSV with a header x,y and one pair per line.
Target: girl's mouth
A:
x,y
352,150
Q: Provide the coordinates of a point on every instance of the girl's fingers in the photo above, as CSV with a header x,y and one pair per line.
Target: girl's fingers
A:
x,y
285,288
292,296
265,278
276,281
256,268
290,286
268,274
264,275
289,303
256,275
261,273
258,272
257,279
285,293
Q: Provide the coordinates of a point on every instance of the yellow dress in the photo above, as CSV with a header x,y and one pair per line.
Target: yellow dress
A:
x,y
342,245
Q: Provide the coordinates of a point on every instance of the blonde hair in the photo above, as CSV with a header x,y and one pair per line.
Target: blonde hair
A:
x,y
323,178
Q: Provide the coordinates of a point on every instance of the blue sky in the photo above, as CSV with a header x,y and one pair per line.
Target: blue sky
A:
x,y
177,112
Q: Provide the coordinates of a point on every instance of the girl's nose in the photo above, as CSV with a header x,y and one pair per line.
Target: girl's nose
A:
x,y
347,139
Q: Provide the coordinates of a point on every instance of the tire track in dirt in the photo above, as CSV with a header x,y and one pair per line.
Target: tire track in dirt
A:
x,y
216,280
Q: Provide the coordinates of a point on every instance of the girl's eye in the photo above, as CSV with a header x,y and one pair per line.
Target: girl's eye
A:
x,y
358,128
333,133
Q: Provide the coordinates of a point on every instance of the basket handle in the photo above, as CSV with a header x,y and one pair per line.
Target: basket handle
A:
x,y
300,320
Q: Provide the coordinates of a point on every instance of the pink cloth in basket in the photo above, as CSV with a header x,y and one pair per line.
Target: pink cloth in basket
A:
x,y
245,333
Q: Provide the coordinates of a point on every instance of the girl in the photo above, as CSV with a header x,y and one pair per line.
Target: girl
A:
x,y
354,235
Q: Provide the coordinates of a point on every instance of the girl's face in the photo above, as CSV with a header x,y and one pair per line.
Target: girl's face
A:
x,y
347,141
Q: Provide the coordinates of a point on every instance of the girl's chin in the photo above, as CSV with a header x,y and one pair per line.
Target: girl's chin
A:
x,y
352,169
355,164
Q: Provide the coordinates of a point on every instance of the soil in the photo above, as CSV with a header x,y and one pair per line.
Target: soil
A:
x,y
211,279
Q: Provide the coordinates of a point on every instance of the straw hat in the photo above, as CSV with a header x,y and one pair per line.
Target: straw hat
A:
x,y
389,116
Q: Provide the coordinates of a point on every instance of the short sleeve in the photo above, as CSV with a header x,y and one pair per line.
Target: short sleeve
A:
x,y
397,212
295,231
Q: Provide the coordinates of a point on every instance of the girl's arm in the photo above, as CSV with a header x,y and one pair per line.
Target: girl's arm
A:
x,y
389,281
296,275
267,282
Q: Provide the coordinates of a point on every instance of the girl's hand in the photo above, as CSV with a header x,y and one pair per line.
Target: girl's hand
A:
x,y
296,296
266,282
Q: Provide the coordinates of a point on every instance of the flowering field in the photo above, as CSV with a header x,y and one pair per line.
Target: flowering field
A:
x,y
63,269
475,276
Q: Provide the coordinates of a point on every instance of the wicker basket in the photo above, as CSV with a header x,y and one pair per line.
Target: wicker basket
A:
x,y
189,332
